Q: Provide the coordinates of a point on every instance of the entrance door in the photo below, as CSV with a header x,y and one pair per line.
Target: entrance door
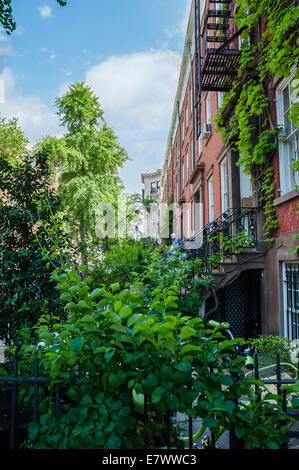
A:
x,y
240,305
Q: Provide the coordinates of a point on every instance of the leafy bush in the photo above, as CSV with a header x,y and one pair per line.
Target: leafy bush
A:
x,y
127,350
175,269
271,345
121,261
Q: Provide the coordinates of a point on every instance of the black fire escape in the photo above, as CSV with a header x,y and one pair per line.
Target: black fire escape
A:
x,y
217,54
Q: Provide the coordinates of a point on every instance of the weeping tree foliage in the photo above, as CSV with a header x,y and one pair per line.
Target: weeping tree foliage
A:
x,y
87,159
6,15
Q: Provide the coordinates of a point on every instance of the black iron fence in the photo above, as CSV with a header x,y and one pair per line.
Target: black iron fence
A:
x,y
10,386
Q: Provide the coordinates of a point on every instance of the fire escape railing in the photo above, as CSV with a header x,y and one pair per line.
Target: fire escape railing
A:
x,y
209,241
217,55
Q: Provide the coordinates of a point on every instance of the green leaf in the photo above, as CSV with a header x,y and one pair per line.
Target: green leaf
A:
x,y
125,311
33,429
157,394
84,305
187,332
113,381
113,442
190,347
117,305
77,344
95,294
114,287
88,319
226,380
124,412
292,388
86,400
134,319
210,422
72,393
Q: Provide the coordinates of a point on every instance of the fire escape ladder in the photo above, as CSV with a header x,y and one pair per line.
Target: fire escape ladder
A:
x,y
217,55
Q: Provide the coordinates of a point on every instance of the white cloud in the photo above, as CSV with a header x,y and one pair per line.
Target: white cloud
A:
x,y
5,45
45,11
35,118
137,93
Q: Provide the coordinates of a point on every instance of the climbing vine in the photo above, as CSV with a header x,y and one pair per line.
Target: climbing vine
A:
x,y
245,117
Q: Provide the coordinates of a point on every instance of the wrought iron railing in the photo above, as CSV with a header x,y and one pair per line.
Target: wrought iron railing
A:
x,y
229,225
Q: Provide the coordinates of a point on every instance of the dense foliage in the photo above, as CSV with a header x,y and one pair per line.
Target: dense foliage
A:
x,y
121,261
27,205
128,350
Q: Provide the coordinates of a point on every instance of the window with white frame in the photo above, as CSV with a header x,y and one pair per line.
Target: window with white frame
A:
x,y
187,165
245,185
220,98
291,300
183,175
199,145
224,185
208,109
211,199
289,137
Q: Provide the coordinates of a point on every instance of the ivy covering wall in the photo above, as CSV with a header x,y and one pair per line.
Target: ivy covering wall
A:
x,y
269,50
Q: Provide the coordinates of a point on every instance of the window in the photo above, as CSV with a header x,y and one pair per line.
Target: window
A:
x,y
224,185
291,300
208,109
199,145
220,98
187,164
183,175
211,199
153,187
289,138
245,187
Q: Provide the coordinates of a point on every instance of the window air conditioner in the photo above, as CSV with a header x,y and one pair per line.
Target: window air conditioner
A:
x,y
206,131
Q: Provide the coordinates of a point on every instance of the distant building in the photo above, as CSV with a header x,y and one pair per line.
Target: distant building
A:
x,y
151,195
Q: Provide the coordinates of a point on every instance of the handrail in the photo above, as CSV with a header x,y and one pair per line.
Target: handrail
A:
x,y
224,215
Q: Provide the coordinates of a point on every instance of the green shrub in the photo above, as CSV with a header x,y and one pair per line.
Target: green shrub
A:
x,y
127,349
270,346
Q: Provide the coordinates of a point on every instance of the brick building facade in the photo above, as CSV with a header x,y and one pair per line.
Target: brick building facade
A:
x,y
201,173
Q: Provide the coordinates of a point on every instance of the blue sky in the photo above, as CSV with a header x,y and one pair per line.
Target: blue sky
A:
x,y
128,51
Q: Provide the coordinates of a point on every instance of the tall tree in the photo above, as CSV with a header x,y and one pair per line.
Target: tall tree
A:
x,y
13,143
88,159
6,15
